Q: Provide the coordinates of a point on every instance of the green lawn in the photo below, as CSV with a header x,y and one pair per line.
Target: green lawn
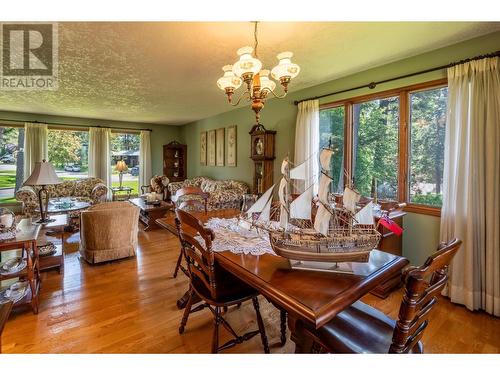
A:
x,y
8,179
8,200
133,184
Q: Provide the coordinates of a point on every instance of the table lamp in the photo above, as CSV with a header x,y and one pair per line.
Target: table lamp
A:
x,y
121,167
43,175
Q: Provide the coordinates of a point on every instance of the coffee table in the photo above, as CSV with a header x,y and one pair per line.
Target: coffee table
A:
x,y
56,207
149,213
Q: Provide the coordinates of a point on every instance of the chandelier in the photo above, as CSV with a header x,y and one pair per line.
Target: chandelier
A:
x,y
259,86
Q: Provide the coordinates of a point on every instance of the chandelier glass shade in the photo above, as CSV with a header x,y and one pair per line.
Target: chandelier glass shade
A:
x,y
259,85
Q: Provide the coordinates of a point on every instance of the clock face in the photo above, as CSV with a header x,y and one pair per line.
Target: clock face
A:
x,y
259,146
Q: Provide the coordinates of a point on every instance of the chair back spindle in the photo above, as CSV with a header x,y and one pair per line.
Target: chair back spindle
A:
x,y
191,197
423,285
199,256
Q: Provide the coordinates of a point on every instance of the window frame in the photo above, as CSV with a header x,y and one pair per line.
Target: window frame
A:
x,y
403,141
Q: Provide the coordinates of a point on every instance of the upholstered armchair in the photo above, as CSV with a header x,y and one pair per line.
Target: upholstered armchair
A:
x,y
158,185
108,231
91,189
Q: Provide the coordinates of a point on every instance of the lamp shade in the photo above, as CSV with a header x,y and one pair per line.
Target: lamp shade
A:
x,y
247,64
121,166
265,82
229,80
285,68
43,174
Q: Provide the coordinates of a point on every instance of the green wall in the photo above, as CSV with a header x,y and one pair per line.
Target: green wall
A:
x,y
161,134
422,232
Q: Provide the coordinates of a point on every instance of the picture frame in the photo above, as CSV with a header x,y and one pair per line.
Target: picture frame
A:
x,y
211,147
220,146
231,146
203,148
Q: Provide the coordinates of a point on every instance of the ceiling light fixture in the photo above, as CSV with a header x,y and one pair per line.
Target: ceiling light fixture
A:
x,y
248,69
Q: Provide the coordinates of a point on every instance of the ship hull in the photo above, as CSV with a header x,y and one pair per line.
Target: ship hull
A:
x,y
324,249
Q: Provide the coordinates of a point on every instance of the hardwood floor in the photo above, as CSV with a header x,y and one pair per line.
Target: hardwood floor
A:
x,y
128,306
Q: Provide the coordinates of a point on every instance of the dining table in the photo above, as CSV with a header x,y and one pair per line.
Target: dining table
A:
x,y
310,297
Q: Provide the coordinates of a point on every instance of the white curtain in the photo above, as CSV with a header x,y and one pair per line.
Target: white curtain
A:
x,y
471,189
100,154
145,158
307,140
35,146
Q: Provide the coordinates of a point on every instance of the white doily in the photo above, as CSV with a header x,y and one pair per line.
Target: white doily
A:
x,y
229,236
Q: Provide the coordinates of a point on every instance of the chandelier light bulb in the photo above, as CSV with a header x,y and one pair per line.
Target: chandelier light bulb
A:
x,y
285,70
229,80
265,82
247,65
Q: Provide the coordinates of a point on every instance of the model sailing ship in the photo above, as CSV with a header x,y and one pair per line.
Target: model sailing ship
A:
x,y
337,233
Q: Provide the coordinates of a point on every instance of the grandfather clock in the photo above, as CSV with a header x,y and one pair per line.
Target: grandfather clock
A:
x,y
263,155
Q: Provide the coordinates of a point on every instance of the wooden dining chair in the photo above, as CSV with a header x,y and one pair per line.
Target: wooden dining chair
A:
x,y
363,329
218,288
189,198
5,309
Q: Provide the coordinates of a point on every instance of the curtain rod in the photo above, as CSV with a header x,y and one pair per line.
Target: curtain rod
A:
x,y
71,125
372,85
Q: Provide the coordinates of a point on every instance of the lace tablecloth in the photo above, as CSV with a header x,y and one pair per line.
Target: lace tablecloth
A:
x,y
229,236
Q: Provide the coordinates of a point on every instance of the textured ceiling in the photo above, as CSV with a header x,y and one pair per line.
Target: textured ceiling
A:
x,y
167,72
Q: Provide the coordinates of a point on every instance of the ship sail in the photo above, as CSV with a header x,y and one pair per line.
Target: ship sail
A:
x,y
350,199
299,172
324,183
266,212
365,215
300,208
324,158
322,221
282,195
259,206
284,166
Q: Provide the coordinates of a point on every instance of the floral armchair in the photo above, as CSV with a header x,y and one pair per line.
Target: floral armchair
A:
x,y
223,193
92,190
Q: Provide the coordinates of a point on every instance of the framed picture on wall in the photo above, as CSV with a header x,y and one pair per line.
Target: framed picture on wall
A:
x,y
211,147
231,146
203,148
220,138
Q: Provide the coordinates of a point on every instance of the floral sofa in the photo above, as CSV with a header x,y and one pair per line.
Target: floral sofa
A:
x,y
223,193
90,189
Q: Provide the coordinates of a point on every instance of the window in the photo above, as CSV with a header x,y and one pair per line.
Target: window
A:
x,y
68,153
427,131
331,134
125,146
375,147
393,140
11,162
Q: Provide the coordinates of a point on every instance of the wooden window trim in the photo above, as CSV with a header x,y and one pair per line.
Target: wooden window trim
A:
x,y
423,209
404,136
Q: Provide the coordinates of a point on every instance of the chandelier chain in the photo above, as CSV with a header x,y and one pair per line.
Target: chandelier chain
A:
x,y
256,44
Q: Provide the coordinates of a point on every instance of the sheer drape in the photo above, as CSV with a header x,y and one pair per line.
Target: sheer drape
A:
x,y
100,154
145,158
471,190
307,140
35,146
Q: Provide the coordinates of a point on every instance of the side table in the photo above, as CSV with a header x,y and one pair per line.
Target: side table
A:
x,y
25,240
116,196
54,229
4,315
